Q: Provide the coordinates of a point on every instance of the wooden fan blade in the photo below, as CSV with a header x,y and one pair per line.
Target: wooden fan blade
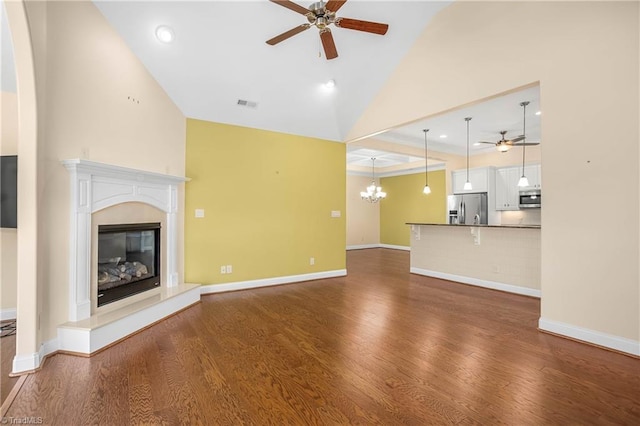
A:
x,y
517,139
334,5
356,24
292,6
492,143
285,35
329,45
526,144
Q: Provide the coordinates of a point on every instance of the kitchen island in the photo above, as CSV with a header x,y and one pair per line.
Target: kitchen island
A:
x,y
501,257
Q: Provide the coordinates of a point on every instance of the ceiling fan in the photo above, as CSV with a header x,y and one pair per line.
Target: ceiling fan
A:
x,y
504,145
321,15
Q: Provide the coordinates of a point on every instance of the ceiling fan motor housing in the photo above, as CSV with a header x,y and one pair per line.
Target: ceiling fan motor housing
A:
x,y
320,16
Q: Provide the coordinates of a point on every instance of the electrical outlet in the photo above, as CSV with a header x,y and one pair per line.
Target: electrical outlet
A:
x,y
223,269
312,261
229,269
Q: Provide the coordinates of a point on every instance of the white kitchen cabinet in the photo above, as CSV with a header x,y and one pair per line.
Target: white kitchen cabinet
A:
x,y
478,177
507,190
532,172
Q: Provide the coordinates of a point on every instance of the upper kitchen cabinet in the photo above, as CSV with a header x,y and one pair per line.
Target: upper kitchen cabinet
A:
x,y
532,172
480,179
507,190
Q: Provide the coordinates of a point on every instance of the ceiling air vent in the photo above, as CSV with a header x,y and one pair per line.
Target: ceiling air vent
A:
x,y
248,104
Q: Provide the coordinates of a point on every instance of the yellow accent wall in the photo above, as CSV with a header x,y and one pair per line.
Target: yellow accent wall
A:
x,y
405,202
267,198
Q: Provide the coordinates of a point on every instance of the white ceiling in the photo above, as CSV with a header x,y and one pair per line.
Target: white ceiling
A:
x,y
219,55
488,119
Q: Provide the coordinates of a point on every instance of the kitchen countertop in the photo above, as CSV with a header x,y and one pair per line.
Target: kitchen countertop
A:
x,y
478,226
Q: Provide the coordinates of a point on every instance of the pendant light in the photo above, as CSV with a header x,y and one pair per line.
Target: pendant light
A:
x,y
374,193
426,189
467,185
523,182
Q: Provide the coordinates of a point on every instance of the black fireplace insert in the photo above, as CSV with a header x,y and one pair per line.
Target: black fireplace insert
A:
x,y
128,260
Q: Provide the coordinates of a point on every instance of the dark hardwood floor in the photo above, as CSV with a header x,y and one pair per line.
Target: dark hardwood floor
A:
x,y
380,346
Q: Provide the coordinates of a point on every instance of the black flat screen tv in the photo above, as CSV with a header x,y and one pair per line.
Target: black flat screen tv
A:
x,y
9,191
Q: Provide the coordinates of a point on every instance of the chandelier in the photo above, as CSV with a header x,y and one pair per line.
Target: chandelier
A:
x,y
374,193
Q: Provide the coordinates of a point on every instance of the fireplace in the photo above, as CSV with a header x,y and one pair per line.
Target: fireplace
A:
x,y
128,260
103,195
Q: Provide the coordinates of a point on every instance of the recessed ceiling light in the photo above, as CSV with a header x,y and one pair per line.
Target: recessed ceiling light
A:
x,y
165,34
329,85
443,136
539,112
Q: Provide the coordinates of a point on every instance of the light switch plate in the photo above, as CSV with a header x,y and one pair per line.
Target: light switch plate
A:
x,y
335,213
199,212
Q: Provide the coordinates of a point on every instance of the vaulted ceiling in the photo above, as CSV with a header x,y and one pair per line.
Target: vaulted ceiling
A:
x,y
219,68
219,56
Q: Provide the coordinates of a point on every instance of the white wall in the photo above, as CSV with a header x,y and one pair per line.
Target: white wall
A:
x,y
8,236
363,218
585,56
87,78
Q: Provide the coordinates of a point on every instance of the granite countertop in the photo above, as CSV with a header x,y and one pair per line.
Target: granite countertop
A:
x,y
479,226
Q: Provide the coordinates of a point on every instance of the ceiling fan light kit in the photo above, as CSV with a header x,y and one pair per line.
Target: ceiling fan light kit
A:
x,y
321,15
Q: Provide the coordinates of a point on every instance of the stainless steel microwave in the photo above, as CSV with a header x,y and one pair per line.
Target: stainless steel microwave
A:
x,y
530,199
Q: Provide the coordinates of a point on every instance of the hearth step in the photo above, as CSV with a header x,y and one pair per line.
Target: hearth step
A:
x,y
87,336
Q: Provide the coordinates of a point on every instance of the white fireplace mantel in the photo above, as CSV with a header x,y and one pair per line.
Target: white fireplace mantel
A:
x,y
96,186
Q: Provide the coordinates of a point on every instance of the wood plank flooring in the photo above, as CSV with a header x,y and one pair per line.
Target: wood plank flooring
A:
x,y
7,352
380,346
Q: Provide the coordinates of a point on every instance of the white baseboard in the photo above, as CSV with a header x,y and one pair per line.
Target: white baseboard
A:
x,y
30,362
509,288
242,285
596,337
8,314
49,347
363,246
370,246
24,363
393,247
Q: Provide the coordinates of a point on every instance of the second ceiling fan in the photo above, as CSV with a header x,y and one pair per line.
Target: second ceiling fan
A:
x,y
321,15
503,145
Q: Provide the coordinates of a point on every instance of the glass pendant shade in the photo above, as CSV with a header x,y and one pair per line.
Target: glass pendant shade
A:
x,y
467,186
426,189
523,182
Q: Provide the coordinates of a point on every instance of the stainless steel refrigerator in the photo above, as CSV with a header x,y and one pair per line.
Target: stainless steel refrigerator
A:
x,y
468,209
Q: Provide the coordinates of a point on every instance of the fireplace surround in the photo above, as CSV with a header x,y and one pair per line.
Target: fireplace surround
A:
x,y
94,188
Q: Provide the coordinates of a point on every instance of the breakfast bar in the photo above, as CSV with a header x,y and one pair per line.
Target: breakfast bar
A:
x,y
500,257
